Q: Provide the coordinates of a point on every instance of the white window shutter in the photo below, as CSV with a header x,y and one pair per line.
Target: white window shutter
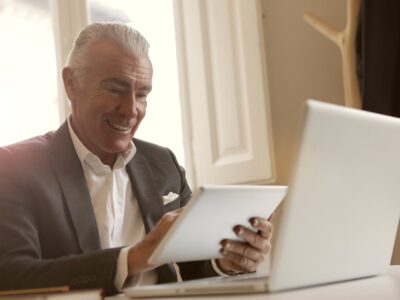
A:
x,y
224,91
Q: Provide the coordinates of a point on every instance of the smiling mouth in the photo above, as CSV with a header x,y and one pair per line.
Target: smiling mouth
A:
x,y
119,128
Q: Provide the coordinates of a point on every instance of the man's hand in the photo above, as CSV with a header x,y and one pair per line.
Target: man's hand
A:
x,y
139,254
245,256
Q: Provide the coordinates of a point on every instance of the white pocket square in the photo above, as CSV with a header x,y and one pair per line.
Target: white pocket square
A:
x,y
169,198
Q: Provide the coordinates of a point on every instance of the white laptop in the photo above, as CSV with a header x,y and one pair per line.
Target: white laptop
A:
x,y
342,210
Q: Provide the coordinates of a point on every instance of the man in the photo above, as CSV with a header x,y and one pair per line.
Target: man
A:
x,y
82,206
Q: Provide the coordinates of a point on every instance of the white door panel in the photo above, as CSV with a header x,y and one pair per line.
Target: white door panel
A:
x,y
224,91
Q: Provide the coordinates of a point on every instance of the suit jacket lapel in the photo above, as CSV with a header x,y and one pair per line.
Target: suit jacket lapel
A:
x,y
70,175
150,204
145,190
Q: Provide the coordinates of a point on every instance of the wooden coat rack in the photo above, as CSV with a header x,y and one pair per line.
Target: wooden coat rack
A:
x,y
345,39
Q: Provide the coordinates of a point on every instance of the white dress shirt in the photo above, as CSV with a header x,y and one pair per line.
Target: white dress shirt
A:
x,y
116,209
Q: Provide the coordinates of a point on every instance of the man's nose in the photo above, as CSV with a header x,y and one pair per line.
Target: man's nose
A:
x,y
129,106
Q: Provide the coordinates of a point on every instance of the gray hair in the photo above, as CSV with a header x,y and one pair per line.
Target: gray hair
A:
x,y
126,38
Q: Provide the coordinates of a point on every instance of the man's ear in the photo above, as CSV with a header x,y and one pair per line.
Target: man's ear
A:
x,y
70,83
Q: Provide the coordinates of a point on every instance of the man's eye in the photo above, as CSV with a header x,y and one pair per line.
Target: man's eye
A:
x,y
141,96
115,91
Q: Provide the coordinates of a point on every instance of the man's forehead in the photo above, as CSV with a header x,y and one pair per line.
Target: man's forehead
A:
x,y
126,83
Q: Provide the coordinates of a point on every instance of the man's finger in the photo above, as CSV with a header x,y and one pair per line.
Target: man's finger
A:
x,y
254,239
243,249
246,264
264,227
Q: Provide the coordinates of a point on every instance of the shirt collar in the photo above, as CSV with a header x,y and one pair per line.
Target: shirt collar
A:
x,y
86,156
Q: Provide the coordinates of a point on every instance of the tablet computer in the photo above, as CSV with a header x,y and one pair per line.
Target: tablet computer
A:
x,y
210,216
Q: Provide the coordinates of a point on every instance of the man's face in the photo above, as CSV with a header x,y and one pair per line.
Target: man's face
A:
x,y
110,101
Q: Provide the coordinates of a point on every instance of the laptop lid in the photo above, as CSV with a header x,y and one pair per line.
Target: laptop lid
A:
x,y
342,210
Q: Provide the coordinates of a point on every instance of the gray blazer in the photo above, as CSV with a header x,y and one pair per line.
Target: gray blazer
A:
x,y
48,231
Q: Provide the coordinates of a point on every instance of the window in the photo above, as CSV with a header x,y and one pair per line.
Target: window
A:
x,y
28,81
225,104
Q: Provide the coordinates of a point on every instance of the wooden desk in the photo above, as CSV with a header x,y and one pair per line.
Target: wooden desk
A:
x,y
384,287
